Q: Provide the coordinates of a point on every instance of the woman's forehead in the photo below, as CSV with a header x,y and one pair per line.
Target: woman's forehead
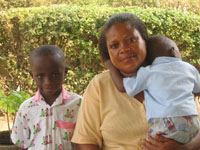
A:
x,y
120,31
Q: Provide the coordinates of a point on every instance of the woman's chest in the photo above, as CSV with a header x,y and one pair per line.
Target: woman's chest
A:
x,y
123,121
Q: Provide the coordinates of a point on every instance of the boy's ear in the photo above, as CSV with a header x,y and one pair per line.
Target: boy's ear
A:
x,y
66,70
30,72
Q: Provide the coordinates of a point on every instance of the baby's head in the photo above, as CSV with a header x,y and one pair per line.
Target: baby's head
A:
x,y
48,69
158,45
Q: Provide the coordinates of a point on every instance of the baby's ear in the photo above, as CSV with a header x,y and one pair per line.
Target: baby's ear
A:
x,y
172,52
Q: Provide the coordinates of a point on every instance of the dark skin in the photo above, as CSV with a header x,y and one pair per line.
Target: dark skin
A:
x,y
48,76
21,148
161,143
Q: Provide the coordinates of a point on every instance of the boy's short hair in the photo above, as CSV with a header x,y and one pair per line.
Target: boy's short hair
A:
x,y
46,50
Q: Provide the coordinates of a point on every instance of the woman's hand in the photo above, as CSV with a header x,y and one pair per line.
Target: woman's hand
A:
x,y
162,143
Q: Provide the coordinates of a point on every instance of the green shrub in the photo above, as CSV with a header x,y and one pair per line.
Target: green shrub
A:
x,y
9,104
75,29
183,5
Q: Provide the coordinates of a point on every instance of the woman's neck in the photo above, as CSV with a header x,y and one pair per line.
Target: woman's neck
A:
x,y
128,74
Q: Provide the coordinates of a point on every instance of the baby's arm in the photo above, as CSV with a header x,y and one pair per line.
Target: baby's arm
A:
x,y
116,76
196,94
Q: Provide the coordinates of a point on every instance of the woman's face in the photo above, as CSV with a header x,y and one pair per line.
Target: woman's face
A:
x,y
126,47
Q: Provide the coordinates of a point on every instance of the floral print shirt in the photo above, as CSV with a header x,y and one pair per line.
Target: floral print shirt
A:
x,y
39,126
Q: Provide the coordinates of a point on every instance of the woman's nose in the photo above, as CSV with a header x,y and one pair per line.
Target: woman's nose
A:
x,y
124,48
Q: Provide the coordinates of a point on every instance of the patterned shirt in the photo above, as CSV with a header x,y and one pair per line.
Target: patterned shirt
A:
x,y
39,126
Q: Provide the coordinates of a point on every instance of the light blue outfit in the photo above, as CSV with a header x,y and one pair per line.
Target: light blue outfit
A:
x,y
168,85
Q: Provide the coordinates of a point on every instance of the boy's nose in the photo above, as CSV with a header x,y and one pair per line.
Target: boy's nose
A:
x,y
47,80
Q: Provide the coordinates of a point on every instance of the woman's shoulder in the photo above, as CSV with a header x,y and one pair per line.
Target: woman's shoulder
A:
x,y
104,74
102,78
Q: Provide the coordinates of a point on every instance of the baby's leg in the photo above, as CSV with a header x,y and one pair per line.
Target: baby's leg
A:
x,y
181,129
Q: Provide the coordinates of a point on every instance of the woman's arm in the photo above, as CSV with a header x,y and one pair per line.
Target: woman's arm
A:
x,y
86,147
162,143
116,76
195,143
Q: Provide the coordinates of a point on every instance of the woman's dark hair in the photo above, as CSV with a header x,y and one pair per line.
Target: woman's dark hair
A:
x,y
128,18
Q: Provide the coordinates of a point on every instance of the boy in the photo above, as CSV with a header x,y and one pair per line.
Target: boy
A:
x,y
168,84
47,120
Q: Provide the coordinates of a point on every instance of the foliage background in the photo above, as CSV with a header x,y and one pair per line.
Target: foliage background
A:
x,y
75,29
183,5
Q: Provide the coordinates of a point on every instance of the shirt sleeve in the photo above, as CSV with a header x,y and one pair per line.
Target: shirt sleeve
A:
x,y
197,82
20,133
136,84
197,100
87,130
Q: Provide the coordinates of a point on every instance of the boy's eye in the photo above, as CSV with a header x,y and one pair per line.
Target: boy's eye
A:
x,y
54,75
130,40
114,46
39,76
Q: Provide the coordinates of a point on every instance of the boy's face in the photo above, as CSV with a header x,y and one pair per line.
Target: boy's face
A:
x,y
48,72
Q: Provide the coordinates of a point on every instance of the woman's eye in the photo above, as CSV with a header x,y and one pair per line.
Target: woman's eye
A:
x,y
114,46
130,40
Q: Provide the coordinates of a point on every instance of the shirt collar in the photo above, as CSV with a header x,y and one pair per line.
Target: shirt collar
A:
x,y
164,59
65,96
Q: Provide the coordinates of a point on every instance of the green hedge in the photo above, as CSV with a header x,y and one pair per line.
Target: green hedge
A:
x,y
75,29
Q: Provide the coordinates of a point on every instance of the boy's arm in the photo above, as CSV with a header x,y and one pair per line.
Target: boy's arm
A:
x,y
116,76
19,148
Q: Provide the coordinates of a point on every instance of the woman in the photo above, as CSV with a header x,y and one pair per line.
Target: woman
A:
x,y
108,119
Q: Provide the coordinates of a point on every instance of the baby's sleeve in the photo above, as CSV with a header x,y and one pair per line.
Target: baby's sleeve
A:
x,y
197,82
20,132
87,130
136,84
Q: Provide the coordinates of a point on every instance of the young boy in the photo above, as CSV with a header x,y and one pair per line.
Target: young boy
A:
x,y
168,84
47,120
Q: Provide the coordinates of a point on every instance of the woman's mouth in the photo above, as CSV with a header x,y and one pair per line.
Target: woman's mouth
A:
x,y
128,58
